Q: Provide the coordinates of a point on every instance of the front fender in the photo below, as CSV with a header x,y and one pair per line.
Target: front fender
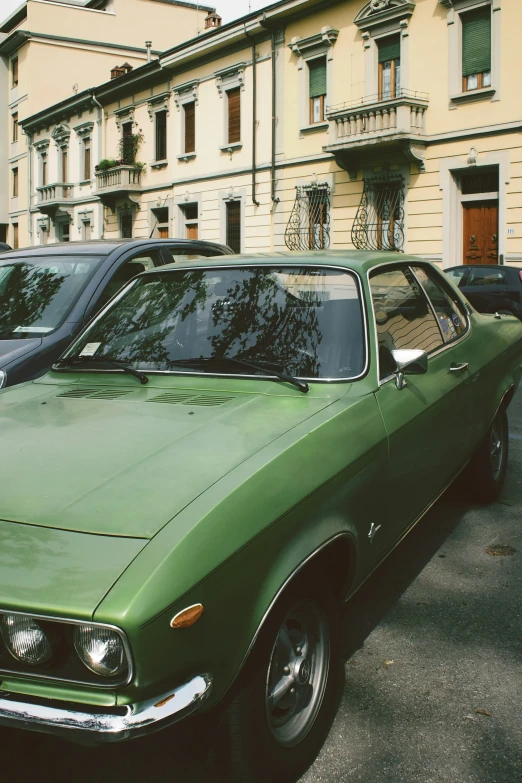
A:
x,y
328,479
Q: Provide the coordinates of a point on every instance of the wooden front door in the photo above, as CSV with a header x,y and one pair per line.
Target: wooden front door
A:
x,y
481,232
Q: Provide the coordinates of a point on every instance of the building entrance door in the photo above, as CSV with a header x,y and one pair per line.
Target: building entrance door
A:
x,y
481,232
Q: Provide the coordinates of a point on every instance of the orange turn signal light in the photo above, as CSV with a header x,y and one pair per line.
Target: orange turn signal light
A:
x,y
187,617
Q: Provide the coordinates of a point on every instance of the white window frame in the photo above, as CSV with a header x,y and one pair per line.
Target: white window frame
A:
x,y
224,198
229,79
307,49
182,201
188,92
454,19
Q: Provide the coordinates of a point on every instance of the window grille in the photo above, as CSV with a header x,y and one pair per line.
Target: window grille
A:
x,y
309,224
234,225
379,223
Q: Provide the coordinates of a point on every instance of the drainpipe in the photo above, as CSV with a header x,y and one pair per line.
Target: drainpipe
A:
x,y
30,184
254,118
101,150
275,200
148,45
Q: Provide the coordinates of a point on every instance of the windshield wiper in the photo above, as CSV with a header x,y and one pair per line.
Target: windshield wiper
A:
x,y
120,365
260,367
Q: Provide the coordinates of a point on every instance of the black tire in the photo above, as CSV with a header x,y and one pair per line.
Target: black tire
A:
x,y
486,472
260,744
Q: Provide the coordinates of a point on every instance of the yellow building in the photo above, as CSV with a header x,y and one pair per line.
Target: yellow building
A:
x,y
52,49
386,124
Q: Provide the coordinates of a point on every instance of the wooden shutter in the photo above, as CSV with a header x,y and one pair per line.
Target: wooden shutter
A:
x,y
15,235
389,48
44,169
15,183
234,115
190,126
161,135
64,165
476,42
317,70
15,126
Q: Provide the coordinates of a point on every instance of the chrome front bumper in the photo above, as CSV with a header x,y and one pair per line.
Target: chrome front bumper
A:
x,y
127,722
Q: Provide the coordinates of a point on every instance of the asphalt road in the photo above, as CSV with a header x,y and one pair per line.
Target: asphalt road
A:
x,y
433,648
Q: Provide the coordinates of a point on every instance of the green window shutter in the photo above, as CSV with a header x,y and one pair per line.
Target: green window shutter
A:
x,y
389,48
476,42
317,77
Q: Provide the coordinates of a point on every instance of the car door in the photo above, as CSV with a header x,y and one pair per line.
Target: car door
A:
x,y
487,289
120,273
429,420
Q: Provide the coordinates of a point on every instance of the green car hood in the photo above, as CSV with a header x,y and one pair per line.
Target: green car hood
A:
x,y
82,458
59,572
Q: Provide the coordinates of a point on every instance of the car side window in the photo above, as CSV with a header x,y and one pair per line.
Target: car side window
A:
x,y
402,315
483,277
127,271
457,276
450,312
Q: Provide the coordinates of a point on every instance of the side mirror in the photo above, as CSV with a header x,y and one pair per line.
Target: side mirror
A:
x,y
409,362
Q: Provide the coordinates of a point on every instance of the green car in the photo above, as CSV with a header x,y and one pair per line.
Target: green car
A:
x,y
224,455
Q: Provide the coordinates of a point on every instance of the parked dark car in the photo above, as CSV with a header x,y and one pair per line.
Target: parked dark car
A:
x,y
490,288
48,294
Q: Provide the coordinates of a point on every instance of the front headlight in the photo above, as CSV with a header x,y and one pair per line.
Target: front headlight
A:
x,y
25,639
100,649
3,378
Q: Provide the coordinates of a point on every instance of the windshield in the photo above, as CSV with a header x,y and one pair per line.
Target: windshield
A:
x,y
306,321
37,294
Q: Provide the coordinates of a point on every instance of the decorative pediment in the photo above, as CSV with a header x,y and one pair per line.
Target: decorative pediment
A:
x,y
42,145
228,78
185,93
125,114
321,41
61,135
377,12
158,103
84,130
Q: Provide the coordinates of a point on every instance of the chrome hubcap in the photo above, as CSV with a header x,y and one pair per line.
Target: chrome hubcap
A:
x,y
496,448
297,673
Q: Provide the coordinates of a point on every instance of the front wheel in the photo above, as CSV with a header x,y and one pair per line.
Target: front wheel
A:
x,y
285,705
487,470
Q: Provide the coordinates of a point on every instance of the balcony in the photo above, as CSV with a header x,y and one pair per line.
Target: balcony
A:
x,y
53,197
119,182
375,126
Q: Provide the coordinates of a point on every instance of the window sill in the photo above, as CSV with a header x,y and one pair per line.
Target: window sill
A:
x,y
187,156
315,127
230,148
159,164
473,95
85,182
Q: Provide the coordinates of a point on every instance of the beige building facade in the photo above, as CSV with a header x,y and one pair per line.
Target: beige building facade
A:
x,y
387,124
54,49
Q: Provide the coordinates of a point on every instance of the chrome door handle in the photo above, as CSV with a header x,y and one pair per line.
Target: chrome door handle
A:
x,y
459,367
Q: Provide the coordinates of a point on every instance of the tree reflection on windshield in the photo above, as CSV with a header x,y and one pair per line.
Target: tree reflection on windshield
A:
x,y
36,297
306,321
